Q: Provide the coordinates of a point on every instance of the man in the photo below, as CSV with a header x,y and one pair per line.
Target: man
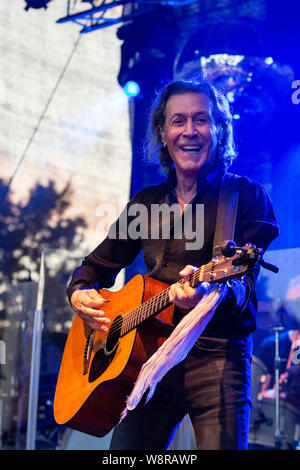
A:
x,y
190,132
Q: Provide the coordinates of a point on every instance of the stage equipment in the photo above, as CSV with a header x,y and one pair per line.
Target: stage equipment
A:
x,y
112,12
274,420
35,361
131,89
233,55
278,435
263,426
36,4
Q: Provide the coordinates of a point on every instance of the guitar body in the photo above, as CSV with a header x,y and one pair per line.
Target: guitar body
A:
x,y
98,369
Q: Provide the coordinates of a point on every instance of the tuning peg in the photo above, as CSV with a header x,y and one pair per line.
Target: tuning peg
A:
x,y
228,248
269,266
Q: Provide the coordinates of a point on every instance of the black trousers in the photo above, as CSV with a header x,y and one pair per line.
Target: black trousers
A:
x,y
212,385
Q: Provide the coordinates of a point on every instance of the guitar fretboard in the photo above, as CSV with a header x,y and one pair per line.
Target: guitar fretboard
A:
x,y
157,303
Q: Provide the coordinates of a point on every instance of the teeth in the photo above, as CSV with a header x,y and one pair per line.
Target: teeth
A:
x,y
186,147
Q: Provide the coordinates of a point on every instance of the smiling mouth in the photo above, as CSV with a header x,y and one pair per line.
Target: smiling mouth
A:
x,y
191,148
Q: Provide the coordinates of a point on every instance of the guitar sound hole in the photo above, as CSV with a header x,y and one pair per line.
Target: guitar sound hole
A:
x,y
113,335
105,355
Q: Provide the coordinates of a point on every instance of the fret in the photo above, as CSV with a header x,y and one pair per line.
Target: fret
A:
x,y
123,326
132,319
144,311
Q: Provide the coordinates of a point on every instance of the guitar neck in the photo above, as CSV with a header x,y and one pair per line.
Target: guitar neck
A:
x,y
218,269
160,301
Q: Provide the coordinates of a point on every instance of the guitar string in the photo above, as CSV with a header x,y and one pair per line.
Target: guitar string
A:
x,y
146,306
133,315
152,303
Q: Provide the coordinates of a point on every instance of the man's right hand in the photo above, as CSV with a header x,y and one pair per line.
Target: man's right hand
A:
x,y
87,304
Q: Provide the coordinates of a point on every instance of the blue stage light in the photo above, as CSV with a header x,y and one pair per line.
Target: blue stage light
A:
x,y
236,116
269,60
230,96
131,89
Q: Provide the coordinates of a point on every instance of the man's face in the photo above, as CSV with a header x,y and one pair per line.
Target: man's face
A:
x,y
189,132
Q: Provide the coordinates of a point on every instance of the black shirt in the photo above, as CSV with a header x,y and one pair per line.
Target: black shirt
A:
x,y
165,256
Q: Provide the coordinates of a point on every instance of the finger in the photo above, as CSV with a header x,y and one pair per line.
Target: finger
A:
x,y
189,291
91,311
95,304
93,299
172,293
84,299
93,294
174,290
95,322
91,319
178,296
188,269
81,298
96,326
178,291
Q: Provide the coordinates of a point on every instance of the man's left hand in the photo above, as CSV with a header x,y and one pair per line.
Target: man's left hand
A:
x,y
182,294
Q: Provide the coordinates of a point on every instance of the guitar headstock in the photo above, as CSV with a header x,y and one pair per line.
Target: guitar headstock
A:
x,y
233,263
222,268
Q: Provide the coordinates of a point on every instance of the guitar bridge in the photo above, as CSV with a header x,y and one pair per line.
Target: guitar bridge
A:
x,y
87,352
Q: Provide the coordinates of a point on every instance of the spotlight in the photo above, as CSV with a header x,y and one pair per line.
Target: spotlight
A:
x,y
230,96
236,116
131,89
269,60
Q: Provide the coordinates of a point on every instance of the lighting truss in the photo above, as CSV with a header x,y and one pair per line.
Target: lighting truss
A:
x,y
105,13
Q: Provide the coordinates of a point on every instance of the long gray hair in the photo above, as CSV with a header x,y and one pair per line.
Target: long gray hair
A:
x,y
154,149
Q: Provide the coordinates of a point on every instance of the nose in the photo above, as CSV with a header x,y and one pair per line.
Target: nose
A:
x,y
190,128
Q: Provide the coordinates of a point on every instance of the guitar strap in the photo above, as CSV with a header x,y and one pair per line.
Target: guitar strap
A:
x,y
226,212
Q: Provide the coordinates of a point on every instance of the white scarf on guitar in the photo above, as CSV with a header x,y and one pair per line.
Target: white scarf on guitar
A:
x,y
181,341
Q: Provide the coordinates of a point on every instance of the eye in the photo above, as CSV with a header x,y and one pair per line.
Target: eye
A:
x,y
178,121
201,119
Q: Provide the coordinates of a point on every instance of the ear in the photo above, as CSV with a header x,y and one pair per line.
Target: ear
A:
x,y
161,134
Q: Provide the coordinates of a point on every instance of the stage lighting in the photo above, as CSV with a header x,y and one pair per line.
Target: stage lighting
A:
x,y
131,89
36,4
231,55
230,96
269,60
249,83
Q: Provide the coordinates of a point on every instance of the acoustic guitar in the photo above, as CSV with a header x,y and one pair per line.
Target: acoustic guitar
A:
x,y
99,369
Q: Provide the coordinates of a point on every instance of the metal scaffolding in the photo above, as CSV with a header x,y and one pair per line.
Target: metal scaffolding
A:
x,y
105,13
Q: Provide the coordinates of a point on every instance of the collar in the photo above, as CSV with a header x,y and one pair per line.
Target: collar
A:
x,y
213,178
